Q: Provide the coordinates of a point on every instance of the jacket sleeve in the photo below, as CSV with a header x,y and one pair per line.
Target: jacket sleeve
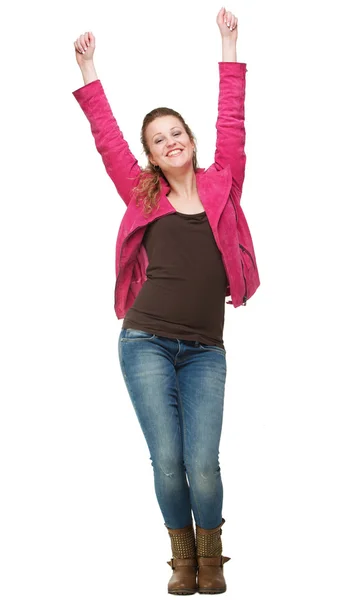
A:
x,y
230,129
120,164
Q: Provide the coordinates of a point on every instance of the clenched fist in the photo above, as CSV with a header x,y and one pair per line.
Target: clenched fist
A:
x,y
84,48
228,24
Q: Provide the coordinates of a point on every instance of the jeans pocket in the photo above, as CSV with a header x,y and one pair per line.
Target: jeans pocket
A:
x,y
211,347
130,335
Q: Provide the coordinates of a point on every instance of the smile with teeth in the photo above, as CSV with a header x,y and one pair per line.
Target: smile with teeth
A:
x,y
174,152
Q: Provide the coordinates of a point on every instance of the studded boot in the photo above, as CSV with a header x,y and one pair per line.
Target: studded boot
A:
x,y
183,561
210,560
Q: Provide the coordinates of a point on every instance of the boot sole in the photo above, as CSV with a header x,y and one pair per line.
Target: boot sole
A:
x,y
183,592
212,591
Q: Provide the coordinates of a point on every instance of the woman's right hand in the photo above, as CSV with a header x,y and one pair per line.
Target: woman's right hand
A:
x,y
84,48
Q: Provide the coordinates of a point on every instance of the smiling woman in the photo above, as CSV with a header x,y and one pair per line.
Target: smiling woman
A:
x,y
171,140
177,257
163,130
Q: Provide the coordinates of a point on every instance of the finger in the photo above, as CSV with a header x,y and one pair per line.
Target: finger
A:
x,y
80,48
82,43
232,22
77,46
227,18
85,41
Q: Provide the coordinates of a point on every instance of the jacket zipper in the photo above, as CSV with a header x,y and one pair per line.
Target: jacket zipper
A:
x,y
242,266
246,287
247,252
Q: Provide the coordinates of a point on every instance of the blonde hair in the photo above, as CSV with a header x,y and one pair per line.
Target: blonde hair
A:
x,y
148,189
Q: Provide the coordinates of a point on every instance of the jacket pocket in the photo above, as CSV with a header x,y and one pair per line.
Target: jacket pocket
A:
x,y
247,254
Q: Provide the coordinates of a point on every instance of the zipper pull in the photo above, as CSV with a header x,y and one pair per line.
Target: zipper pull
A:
x,y
244,300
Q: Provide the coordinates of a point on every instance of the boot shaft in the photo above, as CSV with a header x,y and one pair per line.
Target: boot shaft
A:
x,y
208,541
183,542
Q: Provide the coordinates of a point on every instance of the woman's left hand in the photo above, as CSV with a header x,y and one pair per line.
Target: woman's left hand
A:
x,y
228,24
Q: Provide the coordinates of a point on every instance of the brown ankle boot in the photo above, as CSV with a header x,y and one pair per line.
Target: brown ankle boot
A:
x,y
183,561
210,560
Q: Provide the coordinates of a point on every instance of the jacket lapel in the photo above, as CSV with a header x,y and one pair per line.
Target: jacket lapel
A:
x,y
213,188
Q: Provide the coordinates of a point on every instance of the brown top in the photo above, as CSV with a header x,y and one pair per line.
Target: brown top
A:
x,y
184,294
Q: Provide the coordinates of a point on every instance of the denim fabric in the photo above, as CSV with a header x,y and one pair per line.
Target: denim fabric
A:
x,y
177,390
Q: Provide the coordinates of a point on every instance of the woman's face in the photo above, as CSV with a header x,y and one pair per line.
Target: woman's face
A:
x,y
164,135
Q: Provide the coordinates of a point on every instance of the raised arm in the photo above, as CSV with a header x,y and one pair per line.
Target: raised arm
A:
x,y
230,137
120,163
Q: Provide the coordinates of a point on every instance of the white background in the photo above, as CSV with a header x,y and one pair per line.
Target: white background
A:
x,y
79,517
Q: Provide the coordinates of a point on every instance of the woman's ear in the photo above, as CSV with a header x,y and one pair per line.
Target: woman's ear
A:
x,y
150,159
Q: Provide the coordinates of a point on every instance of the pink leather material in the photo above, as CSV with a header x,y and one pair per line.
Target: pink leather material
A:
x,y
219,187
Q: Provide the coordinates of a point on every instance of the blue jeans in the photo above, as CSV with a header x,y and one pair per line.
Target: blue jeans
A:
x,y
177,390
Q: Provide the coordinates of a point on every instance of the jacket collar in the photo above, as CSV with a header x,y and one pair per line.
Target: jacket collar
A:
x,y
213,188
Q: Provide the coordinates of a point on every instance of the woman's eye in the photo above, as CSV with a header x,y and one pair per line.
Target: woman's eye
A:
x,y
176,133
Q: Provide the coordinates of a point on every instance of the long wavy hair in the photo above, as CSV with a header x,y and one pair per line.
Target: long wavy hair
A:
x,y
147,191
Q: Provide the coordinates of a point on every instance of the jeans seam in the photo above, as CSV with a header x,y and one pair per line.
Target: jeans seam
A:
x,y
183,450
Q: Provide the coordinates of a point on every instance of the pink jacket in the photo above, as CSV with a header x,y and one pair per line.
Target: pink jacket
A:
x,y
219,188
